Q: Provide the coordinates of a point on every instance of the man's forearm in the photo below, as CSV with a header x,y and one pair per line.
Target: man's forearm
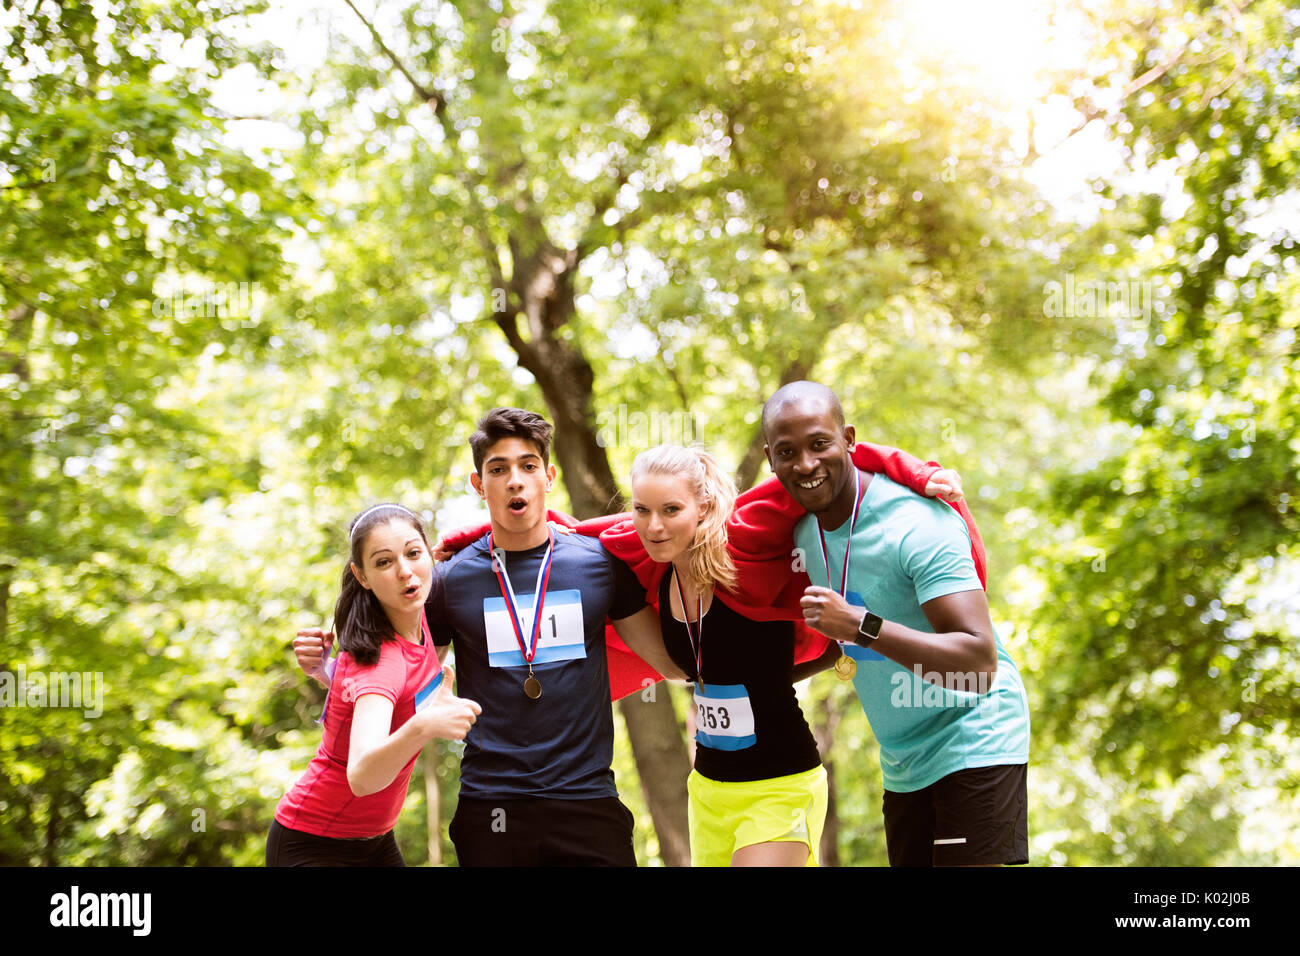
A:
x,y
955,657
959,653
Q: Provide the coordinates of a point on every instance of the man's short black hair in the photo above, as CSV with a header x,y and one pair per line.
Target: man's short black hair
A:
x,y
796,393
510,423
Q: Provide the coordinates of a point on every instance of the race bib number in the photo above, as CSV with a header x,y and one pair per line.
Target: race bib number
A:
x,y
424,697
855,652
563,637
724,719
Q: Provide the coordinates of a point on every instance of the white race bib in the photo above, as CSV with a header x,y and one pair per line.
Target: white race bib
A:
x,y
563,638
724,719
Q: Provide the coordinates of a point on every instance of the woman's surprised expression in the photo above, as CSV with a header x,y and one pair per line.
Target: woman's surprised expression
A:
x,y
665,514
396,565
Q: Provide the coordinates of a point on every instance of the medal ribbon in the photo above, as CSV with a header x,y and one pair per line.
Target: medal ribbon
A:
x,y
848,547
529,648
695,634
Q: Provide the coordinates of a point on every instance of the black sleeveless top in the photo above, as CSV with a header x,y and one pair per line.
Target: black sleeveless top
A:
x,y
758,655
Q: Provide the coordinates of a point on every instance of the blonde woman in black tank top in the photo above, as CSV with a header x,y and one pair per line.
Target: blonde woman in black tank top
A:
x,y
758,790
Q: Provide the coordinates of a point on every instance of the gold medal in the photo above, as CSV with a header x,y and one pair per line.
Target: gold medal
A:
x,y
533,687
845,666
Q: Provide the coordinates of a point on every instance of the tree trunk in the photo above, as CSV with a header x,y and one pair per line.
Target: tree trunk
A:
x,y
433,797
6,578
823,728
566,379
663,765
16,456
829,850
49,854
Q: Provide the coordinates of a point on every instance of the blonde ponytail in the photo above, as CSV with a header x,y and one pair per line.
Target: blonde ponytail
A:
x,y
714,492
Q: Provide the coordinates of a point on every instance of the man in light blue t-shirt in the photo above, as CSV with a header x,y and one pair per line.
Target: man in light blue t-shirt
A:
x,y
894,582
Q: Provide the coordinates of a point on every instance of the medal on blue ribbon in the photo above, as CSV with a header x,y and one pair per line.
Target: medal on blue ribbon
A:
x,y
528,648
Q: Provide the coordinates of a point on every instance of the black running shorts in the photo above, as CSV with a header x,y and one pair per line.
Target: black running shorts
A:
x,y
969,818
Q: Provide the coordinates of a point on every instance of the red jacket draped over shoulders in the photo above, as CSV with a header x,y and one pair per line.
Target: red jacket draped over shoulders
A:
x,y
760,540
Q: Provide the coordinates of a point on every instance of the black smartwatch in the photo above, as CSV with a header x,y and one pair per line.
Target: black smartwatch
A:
x,y
868,630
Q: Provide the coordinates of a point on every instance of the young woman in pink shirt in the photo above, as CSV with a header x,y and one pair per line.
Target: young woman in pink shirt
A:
x,y
389,695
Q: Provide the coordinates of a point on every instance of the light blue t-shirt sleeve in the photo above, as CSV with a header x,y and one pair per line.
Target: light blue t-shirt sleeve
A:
x,y
935,553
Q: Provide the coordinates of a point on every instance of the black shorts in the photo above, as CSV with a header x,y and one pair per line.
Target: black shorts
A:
x,y
286,847
971,817
542,831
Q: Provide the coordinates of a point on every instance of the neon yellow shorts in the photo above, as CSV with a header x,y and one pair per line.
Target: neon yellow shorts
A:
x,y
724,817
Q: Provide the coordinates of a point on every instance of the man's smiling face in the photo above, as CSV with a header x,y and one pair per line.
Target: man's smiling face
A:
x,y
809,453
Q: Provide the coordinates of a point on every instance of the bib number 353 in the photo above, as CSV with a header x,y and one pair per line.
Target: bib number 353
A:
x,y
724,718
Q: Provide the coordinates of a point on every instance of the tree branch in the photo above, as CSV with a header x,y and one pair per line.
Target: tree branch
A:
x,y
431,96
604,202
1144,80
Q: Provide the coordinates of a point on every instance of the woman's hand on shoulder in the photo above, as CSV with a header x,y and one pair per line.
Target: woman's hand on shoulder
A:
x,y
946,484
311,647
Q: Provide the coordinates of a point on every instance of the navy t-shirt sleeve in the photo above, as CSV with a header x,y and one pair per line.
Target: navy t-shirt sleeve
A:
x,y
628,596
435,609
